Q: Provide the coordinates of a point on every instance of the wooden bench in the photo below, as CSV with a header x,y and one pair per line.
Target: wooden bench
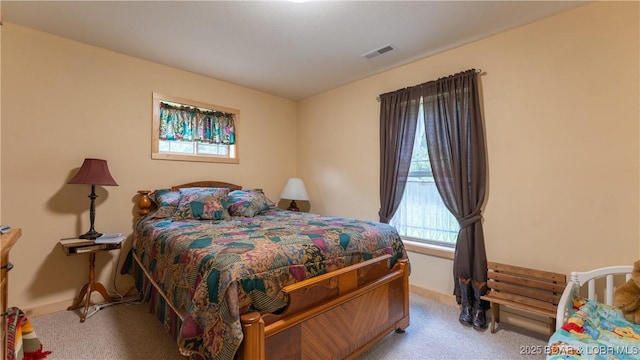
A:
x,y
530,290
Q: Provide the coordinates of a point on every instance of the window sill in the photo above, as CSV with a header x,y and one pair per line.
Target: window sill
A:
x,y
428,249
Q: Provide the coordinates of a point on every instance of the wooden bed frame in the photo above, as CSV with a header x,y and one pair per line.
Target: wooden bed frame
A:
x,y
338,315
578,279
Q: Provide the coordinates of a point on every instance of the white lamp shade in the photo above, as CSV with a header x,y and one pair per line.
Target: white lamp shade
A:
x,y
294,190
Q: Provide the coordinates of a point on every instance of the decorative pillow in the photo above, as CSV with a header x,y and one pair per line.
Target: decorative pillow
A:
x,y
166,201
248,203
202,204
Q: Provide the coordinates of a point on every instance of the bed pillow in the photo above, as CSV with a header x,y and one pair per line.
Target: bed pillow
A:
x,y
248,203
166,201
202,204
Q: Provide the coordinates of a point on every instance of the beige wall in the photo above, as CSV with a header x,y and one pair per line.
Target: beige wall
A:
x,y
64,101
561,107
0,117
562,125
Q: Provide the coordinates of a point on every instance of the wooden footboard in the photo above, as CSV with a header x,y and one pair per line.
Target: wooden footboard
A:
x,y
335,316
338,315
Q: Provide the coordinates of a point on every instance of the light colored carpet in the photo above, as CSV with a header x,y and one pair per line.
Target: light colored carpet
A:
x,y
125,331
435,333
128,331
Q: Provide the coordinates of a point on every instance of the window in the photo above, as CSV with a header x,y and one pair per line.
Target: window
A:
x,y
192,131
422,216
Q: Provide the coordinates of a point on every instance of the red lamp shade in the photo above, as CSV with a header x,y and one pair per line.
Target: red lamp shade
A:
x,y
94,172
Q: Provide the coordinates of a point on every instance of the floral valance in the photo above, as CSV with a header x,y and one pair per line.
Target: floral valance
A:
x,y
189,123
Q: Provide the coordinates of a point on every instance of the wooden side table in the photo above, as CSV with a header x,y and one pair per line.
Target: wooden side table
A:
x,y
77,247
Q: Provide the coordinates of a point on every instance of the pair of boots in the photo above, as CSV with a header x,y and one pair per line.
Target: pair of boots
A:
x,y
472,313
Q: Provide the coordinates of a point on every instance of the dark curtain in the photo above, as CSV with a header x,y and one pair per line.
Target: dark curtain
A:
x,y
456,145
398,121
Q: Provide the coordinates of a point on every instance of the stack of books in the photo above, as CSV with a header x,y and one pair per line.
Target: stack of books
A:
x,y
113,238
76,242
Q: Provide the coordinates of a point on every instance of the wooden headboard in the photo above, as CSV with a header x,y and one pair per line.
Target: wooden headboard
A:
x,y
145,205
212,184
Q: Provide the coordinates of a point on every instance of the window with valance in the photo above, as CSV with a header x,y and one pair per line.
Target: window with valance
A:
x,y
192,131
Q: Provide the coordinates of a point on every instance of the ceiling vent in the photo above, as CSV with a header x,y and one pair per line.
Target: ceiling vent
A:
x,y
379,51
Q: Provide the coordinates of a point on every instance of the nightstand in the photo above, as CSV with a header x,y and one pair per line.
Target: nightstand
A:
x,y
79,247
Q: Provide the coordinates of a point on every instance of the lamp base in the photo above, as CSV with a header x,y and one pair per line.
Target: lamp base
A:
x,y
293,206
90,235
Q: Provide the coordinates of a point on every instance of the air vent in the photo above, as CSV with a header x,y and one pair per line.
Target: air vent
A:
x,y
379,51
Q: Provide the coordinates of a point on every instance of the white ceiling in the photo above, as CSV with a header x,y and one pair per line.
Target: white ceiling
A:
x,y
286,48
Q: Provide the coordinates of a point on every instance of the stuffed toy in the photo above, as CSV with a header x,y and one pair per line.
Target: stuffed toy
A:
x,y
627,296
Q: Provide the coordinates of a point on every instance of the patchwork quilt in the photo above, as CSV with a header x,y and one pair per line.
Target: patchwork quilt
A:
x,y
212,271
595,331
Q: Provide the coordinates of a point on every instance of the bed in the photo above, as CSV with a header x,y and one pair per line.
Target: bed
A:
x,y
588,325
232,276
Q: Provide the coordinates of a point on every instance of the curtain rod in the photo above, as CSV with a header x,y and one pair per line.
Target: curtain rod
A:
x,y
478,71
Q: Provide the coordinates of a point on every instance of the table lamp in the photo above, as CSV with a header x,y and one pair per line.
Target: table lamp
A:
x,y
294,190
93,172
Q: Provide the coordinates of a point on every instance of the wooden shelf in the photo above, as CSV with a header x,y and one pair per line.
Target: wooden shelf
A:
x,y
79,246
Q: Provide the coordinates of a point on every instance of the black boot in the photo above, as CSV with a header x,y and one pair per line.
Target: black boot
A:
x,y
465,294
479,320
